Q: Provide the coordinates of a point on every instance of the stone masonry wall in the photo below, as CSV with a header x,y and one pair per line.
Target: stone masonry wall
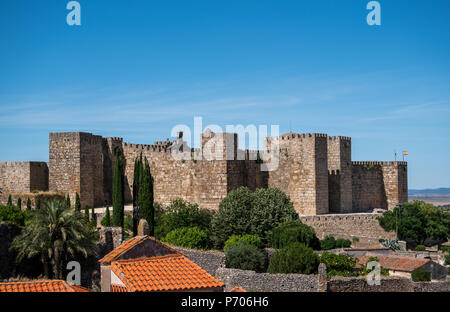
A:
x,y
365,226
16,177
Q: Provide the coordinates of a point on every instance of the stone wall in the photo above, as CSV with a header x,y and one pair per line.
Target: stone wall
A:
x,y
266,282
16,177
209,260
387,284
365,226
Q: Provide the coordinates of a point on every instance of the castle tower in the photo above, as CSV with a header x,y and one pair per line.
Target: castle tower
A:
x,y
340,174
75,166
303,171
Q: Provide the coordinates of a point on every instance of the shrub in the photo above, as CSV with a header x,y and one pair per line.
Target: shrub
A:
x,y
106,220
188,237
245,212
12,215
343,243
420,276
245,257
294,231
355,239
235,240
180,214
341,265
420,248
294,258
328,243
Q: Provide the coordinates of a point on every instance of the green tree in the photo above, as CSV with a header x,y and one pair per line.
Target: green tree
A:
x,y
28,204
118,191
146,204
86,213
294,258
245,257
9,200
106,221
329,242
77,202
235,240
68,201
93,217
341,265
56,234
38,203
136,178
417,221
19,203
188,237
12,215
294,231
420,276
245,212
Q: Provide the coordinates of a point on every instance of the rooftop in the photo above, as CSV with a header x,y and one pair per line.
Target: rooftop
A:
x,y
172,272
41,286
395,262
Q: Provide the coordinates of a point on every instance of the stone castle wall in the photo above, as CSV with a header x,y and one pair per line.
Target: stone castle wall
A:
x,y
16,177
314,170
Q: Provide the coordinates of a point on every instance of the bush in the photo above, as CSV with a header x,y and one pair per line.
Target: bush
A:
x,y
420,248
366,270
235,240
294,231
245,257
355,239
192,237
106,220
421,276
180,214
294,258
12,215
328,243
343,243
245,212
341,265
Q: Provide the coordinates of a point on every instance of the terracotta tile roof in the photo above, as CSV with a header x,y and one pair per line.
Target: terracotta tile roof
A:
x,y
368,249
172,272
118,288
128,245
395,262
237,289
41,286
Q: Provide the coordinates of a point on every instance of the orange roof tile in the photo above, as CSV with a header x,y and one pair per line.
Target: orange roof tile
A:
x,y
41,286
237,289
128,245
395,262
172,272
118,288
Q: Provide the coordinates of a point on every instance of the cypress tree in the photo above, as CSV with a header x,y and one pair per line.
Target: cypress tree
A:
x,y
28,204
19,203
86,213
93,217
147,210
77,202
9,200
68,201
38,203
107,217
136,178
118,191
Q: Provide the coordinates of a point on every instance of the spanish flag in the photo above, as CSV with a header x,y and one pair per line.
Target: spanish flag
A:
x,y
405,153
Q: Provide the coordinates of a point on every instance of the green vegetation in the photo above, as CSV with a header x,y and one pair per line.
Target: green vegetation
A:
x,y
447,259
106,220
338,265
355,239
68,201
86,213
93,217
417,221
294,231
38,203
294,258
343,243
19,203
118,191
9,201
421,276
329,242
235,240
245,257
181,214
28,204
77,202
245,212
56,234
420,248
12,215
145,196
192,237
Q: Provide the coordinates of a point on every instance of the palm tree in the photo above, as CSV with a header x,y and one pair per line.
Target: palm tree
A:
x,y
55,233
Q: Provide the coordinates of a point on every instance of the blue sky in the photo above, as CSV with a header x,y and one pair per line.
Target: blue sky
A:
x,y
135,69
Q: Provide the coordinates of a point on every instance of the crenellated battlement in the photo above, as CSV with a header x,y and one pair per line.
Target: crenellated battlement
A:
x,y
379,163
339,137
290,136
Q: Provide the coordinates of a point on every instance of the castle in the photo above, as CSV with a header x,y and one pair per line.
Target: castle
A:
x,y
315,170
